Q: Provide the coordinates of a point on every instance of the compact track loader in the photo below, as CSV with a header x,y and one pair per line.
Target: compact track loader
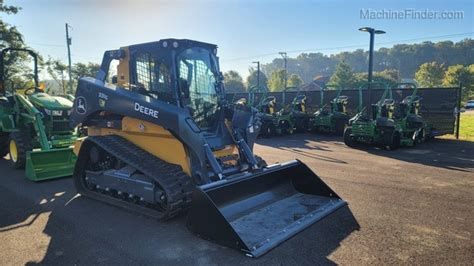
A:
x,y
34,126
163,141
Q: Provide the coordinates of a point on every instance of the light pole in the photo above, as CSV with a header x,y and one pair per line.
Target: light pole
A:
x,y
372,33
69,42
258,73
285,57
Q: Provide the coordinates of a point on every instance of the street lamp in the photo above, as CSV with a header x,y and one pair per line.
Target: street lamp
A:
x,y
372,32
258,73
285,57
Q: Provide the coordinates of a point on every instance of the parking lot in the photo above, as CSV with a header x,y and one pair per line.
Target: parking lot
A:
x,y
413,205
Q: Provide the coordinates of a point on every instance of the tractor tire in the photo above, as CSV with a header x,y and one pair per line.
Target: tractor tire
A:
x,y
3,145
18,145
339,127
270,130
260,161
302,126
391,140
290,131
421,137
348,139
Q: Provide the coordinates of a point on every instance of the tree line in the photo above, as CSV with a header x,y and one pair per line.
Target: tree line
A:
x,y
444,63
18,65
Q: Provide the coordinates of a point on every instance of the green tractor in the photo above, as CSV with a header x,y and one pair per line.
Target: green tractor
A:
x,y
34,126
375,126
333,117
414,128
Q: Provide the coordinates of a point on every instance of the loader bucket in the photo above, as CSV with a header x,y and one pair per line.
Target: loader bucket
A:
x,y
258,211
49,164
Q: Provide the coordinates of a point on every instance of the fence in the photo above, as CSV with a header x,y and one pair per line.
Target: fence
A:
x,y
437,105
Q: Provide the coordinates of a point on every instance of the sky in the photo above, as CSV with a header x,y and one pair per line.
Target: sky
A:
x,y
245,31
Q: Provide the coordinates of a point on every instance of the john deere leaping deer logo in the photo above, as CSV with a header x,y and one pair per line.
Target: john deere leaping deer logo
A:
x,y
81,105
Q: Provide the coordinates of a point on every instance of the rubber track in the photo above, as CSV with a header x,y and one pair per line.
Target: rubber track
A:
x,y
176,184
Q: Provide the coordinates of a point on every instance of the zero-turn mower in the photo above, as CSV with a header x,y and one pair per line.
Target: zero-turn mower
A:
x,y
333,117
414,127
375,125
298,113
163,140
34,126
276,119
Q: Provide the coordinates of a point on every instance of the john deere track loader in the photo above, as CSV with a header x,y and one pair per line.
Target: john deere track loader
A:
x,y
163,141
34,126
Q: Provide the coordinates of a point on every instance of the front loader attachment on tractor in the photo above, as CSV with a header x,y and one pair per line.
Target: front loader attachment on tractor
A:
x,y
49,164
258,211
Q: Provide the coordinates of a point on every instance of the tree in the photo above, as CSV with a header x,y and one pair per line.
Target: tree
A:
x,y
17,70
277,80
406,58
430,74
343,77
233,82
252,79
57,70
389,76
460,75
294,80
80,70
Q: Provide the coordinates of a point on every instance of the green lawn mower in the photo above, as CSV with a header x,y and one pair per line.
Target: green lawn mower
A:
x,y
276,119
333,117
298,112
376,126
34,126
414,127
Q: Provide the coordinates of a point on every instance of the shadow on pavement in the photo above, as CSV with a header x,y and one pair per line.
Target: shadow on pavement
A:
x,y
303,144
82,231
107,235
443,153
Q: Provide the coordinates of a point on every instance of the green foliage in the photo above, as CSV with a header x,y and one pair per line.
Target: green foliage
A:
x,y
17,64
389,76
430,74
58,71
344,76
80,70
460,75
294,80
277,81
252,79
406,58
233,82
466,126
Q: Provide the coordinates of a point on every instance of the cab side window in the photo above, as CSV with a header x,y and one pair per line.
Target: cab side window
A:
x,y
154,76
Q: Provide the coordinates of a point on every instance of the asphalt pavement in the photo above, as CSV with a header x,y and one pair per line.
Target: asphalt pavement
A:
x,y
413,205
